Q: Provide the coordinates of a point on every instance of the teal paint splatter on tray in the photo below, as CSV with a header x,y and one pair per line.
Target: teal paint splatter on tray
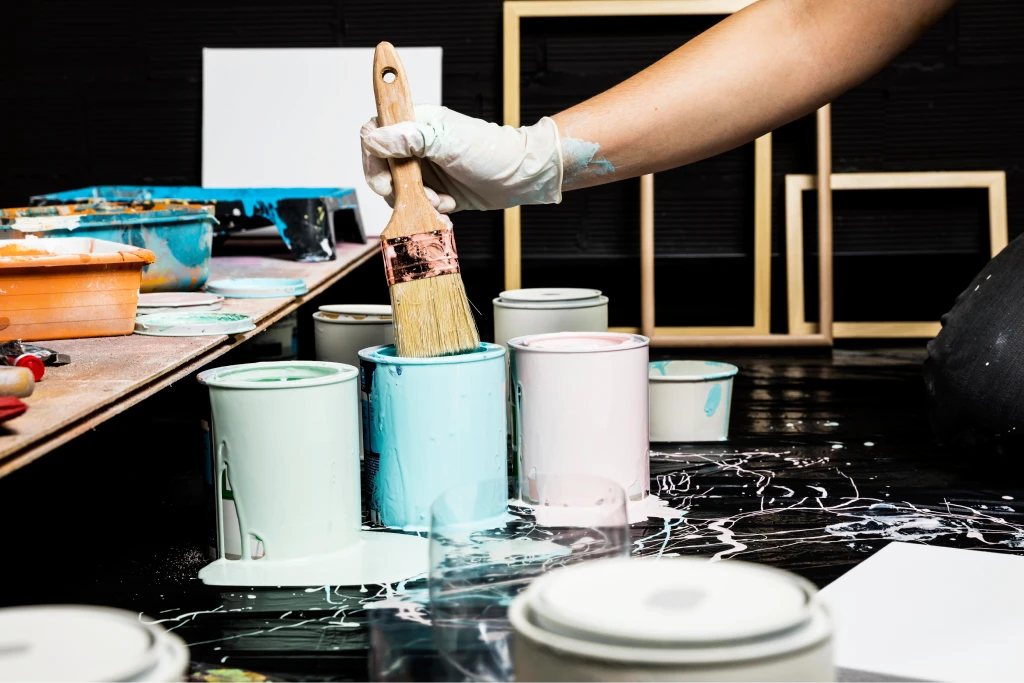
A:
x,y
713,400
660,366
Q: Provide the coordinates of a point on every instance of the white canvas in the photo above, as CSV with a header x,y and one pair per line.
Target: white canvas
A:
x,y
929,613
291,117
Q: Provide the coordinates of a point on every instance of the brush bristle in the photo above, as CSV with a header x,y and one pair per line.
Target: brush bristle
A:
x,y
432,317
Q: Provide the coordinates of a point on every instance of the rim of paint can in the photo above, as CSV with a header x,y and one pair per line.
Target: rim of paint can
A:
x,y
285,374
258,287
178,299
671,610
386,355
550,298
579,342
87,643
193,324
355,314
689,370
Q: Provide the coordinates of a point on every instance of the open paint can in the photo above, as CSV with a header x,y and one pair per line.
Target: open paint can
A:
x,y
690,400
671,619
580,406
430,425
86,643
522,312
341,331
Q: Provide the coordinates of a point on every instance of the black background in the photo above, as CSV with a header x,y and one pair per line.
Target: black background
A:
x,y
110,91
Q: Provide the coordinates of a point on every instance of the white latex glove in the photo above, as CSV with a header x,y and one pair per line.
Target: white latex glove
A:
x,y
470,163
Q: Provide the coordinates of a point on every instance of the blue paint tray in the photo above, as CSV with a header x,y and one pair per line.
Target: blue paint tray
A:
x,y
179,235
307,218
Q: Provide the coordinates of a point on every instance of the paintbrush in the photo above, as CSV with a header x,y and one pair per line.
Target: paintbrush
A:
x,y
428,300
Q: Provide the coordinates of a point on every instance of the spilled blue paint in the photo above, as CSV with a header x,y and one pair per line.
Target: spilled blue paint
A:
x,y
713,400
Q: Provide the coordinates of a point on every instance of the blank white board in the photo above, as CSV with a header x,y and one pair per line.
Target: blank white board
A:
x,y
928,613
291,117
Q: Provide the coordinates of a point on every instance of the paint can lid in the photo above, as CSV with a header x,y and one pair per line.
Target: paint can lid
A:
x,y
355,313
549,294
689,370
683,603
258,287
190,300
579,342
193,324
83,643
550,297
286,374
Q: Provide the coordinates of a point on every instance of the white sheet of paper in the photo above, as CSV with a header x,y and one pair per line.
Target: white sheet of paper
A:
x,y
930,613
291,117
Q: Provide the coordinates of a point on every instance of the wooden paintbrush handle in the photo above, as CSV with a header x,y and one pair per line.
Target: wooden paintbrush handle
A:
x,y
394,105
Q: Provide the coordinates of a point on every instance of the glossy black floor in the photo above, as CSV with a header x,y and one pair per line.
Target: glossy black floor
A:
x,y
830,458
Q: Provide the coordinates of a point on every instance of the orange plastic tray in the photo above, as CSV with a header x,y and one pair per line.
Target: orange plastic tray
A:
x,y
63,288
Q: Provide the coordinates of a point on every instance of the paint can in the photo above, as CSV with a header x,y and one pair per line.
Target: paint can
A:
x,y
522,312
341,331
278,342
671,619
286,455
285,448
690,400
430,424
87,643
580,405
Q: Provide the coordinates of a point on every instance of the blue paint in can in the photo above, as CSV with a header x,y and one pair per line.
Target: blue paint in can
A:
x,y
431,424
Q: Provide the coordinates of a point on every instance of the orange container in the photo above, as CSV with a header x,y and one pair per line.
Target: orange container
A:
x,y
68,287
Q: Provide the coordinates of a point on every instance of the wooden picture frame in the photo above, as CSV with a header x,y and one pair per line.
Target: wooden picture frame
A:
x,y
757,334
797,184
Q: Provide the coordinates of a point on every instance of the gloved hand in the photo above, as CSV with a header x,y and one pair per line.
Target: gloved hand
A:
x,y
469,163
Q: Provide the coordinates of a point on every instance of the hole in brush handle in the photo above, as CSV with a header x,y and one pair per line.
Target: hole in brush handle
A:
x,y
388,75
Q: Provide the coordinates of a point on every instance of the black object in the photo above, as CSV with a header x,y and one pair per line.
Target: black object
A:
x,y
16,348
975,367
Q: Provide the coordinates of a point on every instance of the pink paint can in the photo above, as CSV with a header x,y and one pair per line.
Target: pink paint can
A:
x,y
580,406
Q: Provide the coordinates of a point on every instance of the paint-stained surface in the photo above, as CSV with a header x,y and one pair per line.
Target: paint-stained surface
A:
x,y
179,235
304,216
778,492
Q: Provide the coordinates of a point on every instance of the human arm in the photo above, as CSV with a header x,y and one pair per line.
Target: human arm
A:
x,y
763,66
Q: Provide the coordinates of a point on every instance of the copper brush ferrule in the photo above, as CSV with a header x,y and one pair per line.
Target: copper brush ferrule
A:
x,y
420,255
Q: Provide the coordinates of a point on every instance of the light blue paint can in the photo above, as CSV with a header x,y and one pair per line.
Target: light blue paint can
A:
x,y
430,425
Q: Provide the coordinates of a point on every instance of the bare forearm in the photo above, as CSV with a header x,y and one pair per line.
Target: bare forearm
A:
x,y
758,69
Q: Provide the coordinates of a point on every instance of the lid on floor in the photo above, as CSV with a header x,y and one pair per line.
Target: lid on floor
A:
x,y
579,342
689,370
669,602
193,324
80,643
258,287
356,313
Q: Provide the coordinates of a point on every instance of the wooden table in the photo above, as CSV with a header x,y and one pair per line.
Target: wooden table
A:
x,y
107,375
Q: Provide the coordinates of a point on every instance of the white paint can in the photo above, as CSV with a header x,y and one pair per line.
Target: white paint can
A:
x,y
86,643
690,400
580,406
522,312
671,619
341,331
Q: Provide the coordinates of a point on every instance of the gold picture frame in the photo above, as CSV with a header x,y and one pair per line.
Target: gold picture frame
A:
x,y
797,184
757,334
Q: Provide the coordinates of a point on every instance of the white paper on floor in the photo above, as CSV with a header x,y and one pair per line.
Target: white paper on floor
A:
x,y
930,613
291,117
